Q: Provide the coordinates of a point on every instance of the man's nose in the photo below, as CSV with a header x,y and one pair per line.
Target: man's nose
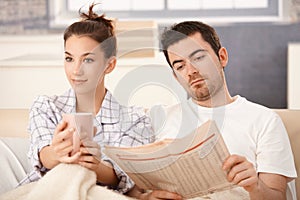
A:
x,y
191,69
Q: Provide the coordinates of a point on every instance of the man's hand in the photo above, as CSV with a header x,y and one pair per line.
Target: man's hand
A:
x,y
241,172
152,195
260,186
159,194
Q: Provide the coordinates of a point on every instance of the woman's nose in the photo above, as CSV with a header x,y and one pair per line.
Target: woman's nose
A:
x,y
78,68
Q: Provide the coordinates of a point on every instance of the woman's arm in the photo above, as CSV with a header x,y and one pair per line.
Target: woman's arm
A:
x,y
60,148
91,158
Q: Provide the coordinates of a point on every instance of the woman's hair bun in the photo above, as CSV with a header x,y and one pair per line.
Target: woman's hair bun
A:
x,y
92,16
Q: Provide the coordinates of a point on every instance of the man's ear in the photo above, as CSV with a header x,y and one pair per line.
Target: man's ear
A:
x,y
223,56
111,64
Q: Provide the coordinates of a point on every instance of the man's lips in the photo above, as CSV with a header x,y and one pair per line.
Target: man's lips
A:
x,y
197,81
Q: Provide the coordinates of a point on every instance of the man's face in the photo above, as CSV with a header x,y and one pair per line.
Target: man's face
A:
x,y
197,67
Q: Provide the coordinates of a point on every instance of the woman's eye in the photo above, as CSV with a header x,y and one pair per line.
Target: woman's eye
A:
x,y
88,60
68,59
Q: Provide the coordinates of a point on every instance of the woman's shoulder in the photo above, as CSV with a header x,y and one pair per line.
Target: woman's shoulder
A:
x,y
45,102
133,111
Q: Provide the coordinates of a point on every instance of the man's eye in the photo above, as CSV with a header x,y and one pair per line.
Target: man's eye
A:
x,y
198,58
88,60
68,59
179,66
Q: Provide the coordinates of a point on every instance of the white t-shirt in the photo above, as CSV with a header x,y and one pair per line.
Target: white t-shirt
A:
x,y
248,129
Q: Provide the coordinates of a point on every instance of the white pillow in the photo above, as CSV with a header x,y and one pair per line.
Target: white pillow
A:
x,y
14,164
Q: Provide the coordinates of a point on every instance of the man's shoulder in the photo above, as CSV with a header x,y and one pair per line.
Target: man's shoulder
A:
x,y
255,109
167,109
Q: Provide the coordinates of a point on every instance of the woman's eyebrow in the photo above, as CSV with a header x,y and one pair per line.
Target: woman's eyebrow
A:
x,y
85,54
88,53
68,53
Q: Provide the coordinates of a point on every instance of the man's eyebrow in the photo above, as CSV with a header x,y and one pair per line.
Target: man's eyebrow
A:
x,y
193,53
176,61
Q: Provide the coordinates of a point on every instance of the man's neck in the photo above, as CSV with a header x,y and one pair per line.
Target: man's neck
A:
x,y
221,98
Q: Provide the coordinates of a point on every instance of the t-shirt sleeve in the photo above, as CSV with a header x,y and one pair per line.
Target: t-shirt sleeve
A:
x,y
274,153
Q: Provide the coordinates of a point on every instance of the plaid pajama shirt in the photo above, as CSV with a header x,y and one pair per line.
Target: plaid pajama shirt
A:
x,y
117,125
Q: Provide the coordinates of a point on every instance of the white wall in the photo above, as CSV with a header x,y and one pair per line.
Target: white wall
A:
x,y
293,76
33,65
29,68
20,85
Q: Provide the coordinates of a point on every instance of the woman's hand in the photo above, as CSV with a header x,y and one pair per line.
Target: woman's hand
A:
x,y
60,148
90,155
62,143
91,158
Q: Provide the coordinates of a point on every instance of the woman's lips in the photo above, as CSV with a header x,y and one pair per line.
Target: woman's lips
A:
x,y
78,81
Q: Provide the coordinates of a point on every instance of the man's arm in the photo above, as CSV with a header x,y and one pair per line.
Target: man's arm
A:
x,y
270,186
260,186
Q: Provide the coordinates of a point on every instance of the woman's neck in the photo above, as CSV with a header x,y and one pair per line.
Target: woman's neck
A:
x,y
90,101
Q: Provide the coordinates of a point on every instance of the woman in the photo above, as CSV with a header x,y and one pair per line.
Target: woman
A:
x,y
90,54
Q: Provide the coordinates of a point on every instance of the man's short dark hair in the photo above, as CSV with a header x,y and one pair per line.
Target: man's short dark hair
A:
x,y
182,30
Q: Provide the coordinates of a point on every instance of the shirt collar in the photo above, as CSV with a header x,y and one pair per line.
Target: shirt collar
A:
x,y
110,110
66,102
72,101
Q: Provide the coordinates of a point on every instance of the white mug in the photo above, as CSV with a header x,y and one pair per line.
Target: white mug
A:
x,y
83,125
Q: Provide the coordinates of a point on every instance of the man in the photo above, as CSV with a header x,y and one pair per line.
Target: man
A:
x,y
261,160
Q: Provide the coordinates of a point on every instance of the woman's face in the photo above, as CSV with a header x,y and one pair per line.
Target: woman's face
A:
x,y
84,63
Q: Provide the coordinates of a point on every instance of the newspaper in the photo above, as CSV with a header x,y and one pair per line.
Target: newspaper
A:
x,y
190,166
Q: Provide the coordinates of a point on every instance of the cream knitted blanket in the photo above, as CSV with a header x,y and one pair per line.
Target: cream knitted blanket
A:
x,y
64,182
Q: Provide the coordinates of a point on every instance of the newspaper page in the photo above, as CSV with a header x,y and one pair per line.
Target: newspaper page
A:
x,y
190,166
